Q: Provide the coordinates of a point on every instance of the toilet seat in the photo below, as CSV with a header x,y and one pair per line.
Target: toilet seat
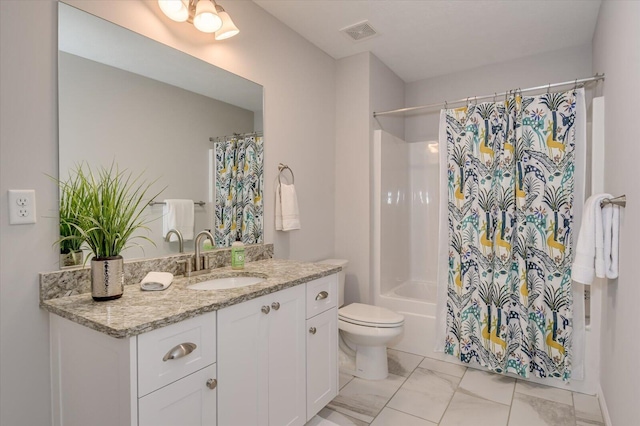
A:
x,y
370,316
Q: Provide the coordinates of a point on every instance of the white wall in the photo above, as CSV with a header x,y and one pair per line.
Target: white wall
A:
x,y
616,52
299,125
537,70
363,85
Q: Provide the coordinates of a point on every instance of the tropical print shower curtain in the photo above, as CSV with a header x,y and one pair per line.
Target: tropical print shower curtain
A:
x,y
239,186
510,192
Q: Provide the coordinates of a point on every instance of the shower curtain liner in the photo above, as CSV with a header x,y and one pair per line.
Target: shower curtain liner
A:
x,y
239,207
509,204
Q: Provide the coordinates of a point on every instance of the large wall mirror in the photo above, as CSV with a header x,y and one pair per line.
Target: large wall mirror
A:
x,y
128,100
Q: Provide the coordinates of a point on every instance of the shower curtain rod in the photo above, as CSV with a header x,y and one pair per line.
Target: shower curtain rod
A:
x,y
495,95
219,138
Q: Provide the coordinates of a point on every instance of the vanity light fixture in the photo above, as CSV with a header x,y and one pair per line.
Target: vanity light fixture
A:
x,y
206,15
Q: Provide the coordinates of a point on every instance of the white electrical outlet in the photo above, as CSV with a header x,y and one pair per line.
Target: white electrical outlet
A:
x,y
22,206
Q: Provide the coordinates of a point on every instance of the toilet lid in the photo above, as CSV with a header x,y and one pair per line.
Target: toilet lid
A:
x,y
370,316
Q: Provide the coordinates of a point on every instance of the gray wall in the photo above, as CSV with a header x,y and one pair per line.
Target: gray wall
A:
x,y
616,52
531,71
363,85
109,115
299,127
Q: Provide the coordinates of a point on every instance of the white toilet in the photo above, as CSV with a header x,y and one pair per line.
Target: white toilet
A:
x,y
365,331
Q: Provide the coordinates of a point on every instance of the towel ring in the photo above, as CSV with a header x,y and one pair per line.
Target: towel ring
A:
x,y
282,168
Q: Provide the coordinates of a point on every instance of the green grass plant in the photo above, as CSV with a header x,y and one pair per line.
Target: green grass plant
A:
x,y
107,211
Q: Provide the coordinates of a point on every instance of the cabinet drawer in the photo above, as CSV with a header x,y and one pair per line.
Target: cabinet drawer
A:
x,y
172,352
189,401
322,294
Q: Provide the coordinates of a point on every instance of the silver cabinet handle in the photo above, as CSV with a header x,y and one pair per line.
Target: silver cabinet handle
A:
x,y
312,330
322,295
275,306
265,309
212,383
183,349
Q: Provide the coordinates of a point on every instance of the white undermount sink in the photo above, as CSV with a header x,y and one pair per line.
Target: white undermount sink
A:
x,y
225,283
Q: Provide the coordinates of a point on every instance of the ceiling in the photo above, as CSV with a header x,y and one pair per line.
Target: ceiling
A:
x,y
426,38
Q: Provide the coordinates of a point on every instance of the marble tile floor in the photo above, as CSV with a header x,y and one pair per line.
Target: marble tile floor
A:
x,y
425,392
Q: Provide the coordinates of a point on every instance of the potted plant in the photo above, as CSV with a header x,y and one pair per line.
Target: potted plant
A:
x,y
108,212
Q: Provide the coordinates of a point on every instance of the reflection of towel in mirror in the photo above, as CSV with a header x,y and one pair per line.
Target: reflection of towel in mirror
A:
x,y
178,214
287,215
597,248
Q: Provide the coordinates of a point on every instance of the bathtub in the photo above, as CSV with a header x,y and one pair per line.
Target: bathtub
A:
x,y
416,300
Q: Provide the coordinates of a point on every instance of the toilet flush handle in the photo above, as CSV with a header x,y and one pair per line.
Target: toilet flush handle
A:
x,y
322,295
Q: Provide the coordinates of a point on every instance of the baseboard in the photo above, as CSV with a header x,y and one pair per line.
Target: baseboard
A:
x,y
603,407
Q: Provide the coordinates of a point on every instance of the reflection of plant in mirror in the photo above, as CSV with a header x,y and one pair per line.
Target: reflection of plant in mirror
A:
x,y
105,209
71,193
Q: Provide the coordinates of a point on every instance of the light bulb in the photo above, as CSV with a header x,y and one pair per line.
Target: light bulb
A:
x,y
177,10
206,19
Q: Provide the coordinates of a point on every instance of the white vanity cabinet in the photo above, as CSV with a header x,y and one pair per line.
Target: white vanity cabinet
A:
x,y
322,343
261,361
267,361
163,377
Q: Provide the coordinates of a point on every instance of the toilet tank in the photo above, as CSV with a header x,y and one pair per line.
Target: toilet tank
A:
x,y
341,275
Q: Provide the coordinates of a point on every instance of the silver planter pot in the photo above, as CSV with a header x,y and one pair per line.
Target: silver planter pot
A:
x,y
107,278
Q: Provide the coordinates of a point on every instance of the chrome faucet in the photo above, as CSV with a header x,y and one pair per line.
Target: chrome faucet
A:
x,y
177,234
201,262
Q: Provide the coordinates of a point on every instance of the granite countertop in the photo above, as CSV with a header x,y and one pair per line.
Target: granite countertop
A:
x,y
140,311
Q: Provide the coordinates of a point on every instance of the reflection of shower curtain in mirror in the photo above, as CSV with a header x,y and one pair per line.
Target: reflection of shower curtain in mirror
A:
x,y
510,184
239,208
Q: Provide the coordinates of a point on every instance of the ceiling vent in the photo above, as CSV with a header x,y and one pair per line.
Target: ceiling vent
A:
x,y
360,31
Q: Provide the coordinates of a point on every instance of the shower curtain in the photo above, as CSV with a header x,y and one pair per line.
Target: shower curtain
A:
x,y
508,205
239,208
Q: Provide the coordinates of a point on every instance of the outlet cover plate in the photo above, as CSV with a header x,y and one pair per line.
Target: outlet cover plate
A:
x,y
22,206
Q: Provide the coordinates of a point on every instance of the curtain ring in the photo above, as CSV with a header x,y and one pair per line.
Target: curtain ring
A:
x,y
548,88
446,106
495,95
475,100
575,85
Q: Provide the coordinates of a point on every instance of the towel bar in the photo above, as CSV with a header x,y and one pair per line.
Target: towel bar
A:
x,y
617,201
282,168
199,203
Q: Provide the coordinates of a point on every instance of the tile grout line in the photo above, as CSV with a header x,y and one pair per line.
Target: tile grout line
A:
x,y
397,390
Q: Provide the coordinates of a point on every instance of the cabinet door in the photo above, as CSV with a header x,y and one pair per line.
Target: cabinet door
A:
x,y
287,358
322,360
243,364
188,402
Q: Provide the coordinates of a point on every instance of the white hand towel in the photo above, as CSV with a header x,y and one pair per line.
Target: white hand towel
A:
x,y
611,227
589,259
287,214
178,214
156,281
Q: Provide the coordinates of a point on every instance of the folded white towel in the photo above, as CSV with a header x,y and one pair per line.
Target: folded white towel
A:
x,y
178,214
599,229
287,215
156,281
